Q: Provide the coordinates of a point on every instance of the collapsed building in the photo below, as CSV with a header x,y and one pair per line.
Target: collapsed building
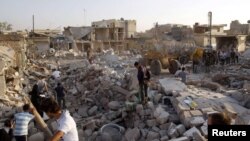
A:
x,y
219,38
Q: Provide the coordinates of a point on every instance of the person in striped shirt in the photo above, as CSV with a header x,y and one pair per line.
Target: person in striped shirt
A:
x,y
21,123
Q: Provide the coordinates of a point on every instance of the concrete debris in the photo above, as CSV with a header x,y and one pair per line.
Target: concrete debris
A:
x,y
170,85
102,96
152,135
132,134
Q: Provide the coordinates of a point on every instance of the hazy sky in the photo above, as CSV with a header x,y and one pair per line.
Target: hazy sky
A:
x,y
59,13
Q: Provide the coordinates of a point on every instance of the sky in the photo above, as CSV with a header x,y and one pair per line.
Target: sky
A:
x,y
55,14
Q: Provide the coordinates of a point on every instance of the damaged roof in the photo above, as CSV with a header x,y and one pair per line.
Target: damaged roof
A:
x,y
79,32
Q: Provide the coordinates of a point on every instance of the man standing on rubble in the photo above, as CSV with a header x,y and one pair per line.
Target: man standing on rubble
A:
x,y
60,95
42,85
21,123
183,75
143,77
66,125
89,55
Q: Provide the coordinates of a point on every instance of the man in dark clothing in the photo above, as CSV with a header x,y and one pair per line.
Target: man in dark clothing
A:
x,y
143,77
6,133
60,93
35,99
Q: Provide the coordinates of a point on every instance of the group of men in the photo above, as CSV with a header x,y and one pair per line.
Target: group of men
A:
x,y
55,108
228,57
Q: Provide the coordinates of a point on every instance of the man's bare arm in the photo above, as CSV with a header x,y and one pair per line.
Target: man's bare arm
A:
x,y
57,136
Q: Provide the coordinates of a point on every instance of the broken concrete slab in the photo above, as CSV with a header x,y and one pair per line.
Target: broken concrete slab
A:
x,y
171,84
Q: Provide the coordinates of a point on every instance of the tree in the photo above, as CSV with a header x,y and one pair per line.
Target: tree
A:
x,y
5,26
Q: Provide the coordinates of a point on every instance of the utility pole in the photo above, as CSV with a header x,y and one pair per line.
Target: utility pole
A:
x,y
33,23
210,28
84,18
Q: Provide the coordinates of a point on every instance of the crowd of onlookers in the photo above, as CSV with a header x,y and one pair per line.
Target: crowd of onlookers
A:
x,y
228,56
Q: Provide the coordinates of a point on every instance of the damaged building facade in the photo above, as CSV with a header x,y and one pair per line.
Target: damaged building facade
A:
x,y
112,33
219,38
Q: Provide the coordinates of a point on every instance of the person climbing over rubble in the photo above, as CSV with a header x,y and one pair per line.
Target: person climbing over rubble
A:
x,y
60,95
219,119
183,75
56,75
6,133
42,85
21,123
89,55
66,125
177,72
35,99
143,76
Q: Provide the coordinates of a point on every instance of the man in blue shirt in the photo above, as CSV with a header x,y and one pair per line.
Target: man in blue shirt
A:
x,y
21,123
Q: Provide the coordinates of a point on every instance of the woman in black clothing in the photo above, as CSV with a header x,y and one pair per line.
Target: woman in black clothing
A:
x,y
35,99
6,134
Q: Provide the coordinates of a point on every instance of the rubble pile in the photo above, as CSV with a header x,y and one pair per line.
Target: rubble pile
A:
x,y
102,97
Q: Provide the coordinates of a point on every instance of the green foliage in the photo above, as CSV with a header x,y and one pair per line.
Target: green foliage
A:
x,y
4,26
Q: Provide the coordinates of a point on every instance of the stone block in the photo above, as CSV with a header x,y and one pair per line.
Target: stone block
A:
x,y
37,137
198,137
163,117
180,139
152,135
204,131
165,138
139,109
163,133
151,123
164,126
114,105
197,121
83,111
90,125
92,110
181,129
173,133
132,134
87,132
189,133
195,113
156,129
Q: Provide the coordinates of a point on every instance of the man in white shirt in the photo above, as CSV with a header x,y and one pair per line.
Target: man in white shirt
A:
x,y
66,125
